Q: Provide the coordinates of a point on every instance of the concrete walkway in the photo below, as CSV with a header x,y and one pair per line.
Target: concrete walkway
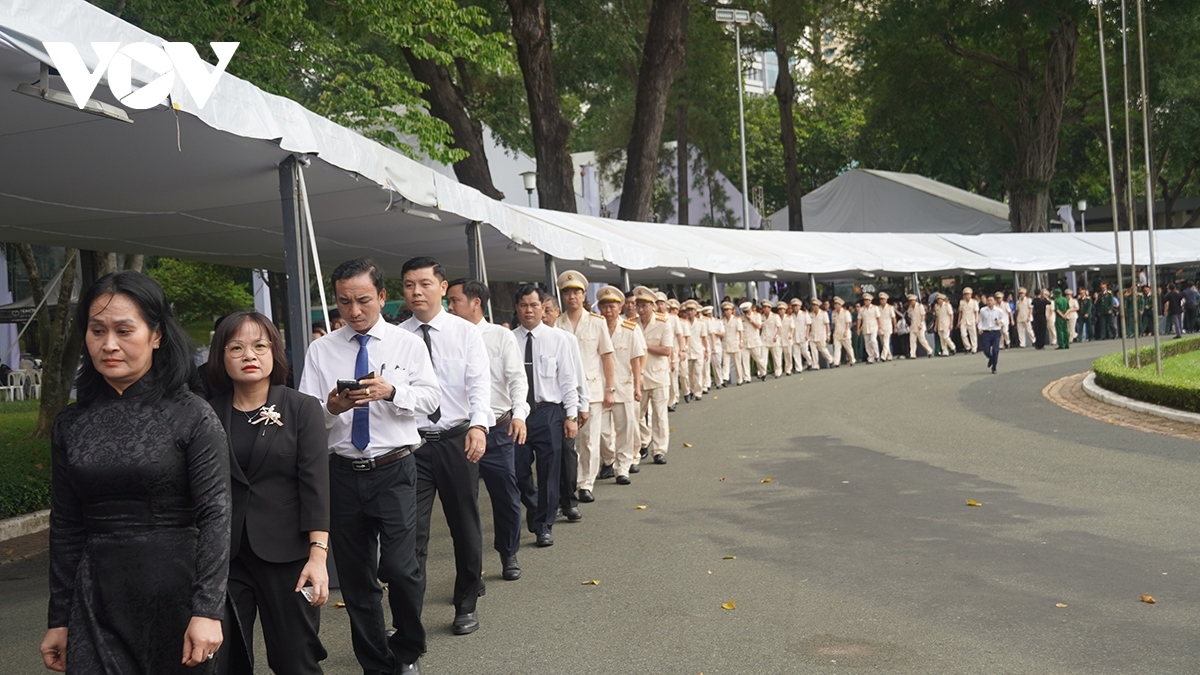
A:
x,y
860,554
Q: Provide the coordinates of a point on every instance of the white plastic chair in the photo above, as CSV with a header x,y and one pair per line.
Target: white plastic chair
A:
x,y
15,388
34,378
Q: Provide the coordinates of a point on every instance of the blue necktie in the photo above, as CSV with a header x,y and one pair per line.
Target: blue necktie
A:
x,y
360,428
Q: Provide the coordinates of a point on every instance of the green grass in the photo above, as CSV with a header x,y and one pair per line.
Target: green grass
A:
x,y
24,462
1177,387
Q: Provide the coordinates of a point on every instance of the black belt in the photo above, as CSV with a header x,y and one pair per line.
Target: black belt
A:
x,y
443,434
370,464
545,404
502,420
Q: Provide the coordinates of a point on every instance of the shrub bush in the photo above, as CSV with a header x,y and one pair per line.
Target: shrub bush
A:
x,y
1175,388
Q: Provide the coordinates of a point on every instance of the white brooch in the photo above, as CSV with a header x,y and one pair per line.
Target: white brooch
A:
x,y
267,415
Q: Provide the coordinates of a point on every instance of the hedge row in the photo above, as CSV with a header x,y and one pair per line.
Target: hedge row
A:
x,y
1145,384
23,496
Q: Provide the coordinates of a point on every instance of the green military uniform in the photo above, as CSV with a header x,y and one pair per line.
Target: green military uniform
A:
x,y
1132,308
1104,316
1085,316
1147,313
1061,331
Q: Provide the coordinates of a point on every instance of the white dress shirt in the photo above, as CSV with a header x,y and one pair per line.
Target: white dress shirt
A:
x,y
557,367
461,362
396,355
509,387
993,318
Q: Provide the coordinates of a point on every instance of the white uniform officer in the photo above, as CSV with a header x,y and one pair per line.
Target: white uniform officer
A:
x,y
786,336
841,333
619,435
716,348
731,345
656,377
751,338
868,327
819,336
968,321
887,326
943,322
801,322
916,328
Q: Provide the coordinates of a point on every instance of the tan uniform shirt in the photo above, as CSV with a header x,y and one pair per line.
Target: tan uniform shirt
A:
x,y
943,316
732,340
819,326
968,312
594,341
803,324
870,319
841,324
771,329
697,336
916,318
752,331
628,344
887,319
656,373
716,331
1025,309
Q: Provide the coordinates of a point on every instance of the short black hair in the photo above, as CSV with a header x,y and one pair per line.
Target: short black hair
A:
x,y
355,267
216,374
473,289
628,294
422,262
524,290
172,368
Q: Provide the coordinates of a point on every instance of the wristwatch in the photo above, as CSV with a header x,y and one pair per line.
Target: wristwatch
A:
x,y
572,418
611,390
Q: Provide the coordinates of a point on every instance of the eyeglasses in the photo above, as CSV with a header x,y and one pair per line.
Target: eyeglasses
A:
x,y
237,349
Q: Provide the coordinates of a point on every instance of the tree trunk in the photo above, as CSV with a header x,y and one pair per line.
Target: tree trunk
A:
x,y
58,342
785,94
682,157
555,173
662,55
134,262
448,103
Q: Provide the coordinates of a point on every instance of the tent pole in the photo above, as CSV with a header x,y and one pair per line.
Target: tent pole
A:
x,y
473,266
75,259
1152,277
298,314
716,293
312,241
552,278
626,284
1112,176
916,285
812,286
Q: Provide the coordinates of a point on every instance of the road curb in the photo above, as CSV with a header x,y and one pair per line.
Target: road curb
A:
x,y
19,526
1105,396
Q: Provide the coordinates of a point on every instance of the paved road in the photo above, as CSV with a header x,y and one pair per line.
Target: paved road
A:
x,y
860,554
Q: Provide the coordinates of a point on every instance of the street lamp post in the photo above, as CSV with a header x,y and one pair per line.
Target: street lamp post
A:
x,y
737,18
1082,206
529,178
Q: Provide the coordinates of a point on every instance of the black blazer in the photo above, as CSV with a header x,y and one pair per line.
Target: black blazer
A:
x,y
285,493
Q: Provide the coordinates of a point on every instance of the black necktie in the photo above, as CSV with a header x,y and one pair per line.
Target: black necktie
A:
x,y
530,398
436,414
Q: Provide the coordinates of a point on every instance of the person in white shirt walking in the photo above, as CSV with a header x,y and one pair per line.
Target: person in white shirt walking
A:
x,y
993,321
455,434
868,327
716,348
968,321
819,336
1024,317
916,328
842,326
552,372
656,375
731,346
619,435
466,298
887,326
373,510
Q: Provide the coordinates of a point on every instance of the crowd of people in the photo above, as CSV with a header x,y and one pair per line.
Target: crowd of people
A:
x,y
177,523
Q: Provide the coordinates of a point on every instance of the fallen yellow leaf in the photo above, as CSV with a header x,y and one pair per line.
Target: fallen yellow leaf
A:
x,y
640,507
9,551
687,445
765,480
1149,600
728,605
729,557
716,397
972,502
710,571
339,605
590,582
1060,605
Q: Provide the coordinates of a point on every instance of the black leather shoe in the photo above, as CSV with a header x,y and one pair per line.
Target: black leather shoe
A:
x,y
622,480
573,515
634,468
512,569
586,497
671,408
482,589
465,624
645,451
408,669
606,472
660,459
544,540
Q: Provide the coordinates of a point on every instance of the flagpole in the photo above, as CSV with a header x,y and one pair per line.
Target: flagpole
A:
x,y
1112,176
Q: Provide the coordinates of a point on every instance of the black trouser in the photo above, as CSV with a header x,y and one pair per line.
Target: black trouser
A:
x,y
568,476
443,468
1039,333
290,625
543,441
499,472
989,341
373,532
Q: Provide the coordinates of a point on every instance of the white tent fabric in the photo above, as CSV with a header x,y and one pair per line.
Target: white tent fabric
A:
x,y
204,184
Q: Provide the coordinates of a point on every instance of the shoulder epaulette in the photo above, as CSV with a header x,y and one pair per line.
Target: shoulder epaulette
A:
x,y
629,323
660,317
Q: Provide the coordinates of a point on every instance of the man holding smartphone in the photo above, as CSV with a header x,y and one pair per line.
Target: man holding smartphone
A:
x,y
372,473
455,434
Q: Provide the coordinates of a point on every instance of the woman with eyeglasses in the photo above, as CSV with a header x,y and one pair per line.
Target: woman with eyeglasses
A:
x,y
279,461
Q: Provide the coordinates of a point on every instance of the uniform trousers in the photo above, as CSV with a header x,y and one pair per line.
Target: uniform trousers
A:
x,y
716,359
619,438
840,344
543,443
885,345
871,344
673,395
587,444
695,368
743,364
917,337
373,529
788,365
944,341
777,360
654,425
970,339
760,360
1071,327
1025,333
498,470
443,469
290,625
817,351
800,356
683,375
